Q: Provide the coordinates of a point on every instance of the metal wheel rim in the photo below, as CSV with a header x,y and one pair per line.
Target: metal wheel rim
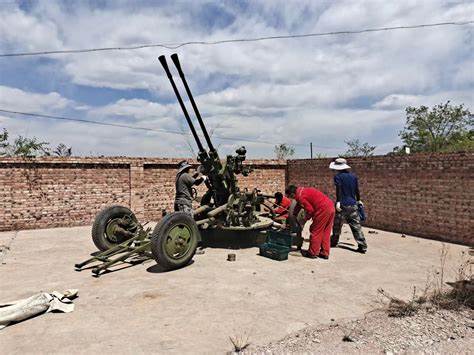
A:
x,y
178,241
110,230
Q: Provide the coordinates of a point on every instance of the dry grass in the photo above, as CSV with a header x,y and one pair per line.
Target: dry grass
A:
x,y
438,293
240,342
397,307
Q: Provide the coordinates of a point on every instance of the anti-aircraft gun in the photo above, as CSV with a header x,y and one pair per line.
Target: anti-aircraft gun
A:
x,y
119,236
238,208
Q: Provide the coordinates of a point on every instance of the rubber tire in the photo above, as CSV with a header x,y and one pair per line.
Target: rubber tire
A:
x,y
100,225
161,231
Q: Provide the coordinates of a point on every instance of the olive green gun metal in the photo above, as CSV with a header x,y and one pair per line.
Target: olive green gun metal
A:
x,y
119,236
136,246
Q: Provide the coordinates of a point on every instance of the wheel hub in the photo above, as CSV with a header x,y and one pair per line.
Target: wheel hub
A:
x,y
116,231
178,241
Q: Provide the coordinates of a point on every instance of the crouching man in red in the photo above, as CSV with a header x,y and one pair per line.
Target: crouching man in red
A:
x,y
320,209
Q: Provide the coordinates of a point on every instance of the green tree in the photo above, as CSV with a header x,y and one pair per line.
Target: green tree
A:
x,y
355,148
444,127
3,142
62,150
284,151
27,147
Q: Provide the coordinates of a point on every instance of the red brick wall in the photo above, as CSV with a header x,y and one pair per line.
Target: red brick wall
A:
x,y
427,195
54,192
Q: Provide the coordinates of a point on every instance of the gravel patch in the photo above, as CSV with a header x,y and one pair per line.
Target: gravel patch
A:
x,y
428,331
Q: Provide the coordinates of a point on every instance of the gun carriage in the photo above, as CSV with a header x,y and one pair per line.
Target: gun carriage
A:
x,y
118,234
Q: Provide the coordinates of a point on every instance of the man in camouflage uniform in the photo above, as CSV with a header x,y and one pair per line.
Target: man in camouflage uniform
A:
x,y
184,187
347,204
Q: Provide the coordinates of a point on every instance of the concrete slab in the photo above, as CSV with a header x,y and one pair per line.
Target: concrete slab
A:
x,y
195,309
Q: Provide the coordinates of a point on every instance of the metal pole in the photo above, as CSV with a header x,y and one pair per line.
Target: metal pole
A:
x,y
311,149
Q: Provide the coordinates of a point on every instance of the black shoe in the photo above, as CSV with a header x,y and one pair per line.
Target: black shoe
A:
x,y
333,245
306,254
322,256
361,249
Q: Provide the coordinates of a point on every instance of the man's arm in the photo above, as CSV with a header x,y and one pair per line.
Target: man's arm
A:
x,y
308,208
199,180
190,180
357,193
337,182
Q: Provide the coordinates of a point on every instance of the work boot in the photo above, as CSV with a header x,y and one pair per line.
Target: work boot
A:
x,y
361,249
306,254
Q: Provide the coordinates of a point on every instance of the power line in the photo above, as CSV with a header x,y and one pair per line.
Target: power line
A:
x,y
236,40
159,130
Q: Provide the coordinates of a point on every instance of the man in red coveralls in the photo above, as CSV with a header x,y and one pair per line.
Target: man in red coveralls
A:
x,y
320,209
283,206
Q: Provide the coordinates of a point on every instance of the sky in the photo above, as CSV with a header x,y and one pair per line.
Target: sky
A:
x,y
323,90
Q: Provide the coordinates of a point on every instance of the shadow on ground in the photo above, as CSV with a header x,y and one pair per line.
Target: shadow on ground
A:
x,y
231,239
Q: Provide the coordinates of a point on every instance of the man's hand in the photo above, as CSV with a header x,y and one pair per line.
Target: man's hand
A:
x,y
301,218
338,207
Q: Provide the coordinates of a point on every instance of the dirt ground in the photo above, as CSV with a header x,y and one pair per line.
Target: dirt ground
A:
x,y
140,309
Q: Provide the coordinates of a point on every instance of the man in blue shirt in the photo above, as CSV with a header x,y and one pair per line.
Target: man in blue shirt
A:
x,y
347,204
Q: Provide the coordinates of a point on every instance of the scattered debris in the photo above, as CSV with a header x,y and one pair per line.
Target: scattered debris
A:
x,y
17,311
231,257
348,338
403,236
5,248
373,232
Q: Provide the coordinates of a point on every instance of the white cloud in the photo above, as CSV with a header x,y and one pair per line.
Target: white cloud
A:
x,y
20,31
399,101
18,100
324,89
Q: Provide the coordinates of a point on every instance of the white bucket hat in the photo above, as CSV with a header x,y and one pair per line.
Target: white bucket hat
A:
x,y
339,164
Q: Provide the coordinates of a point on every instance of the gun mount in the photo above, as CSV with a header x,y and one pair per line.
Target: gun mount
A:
x,y
119,236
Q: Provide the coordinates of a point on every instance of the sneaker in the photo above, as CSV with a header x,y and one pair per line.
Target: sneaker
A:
x,y
200,251
306,254
322,256
362,249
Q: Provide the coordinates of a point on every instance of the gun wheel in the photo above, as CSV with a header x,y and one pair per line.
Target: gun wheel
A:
x,y
174,240
113,225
